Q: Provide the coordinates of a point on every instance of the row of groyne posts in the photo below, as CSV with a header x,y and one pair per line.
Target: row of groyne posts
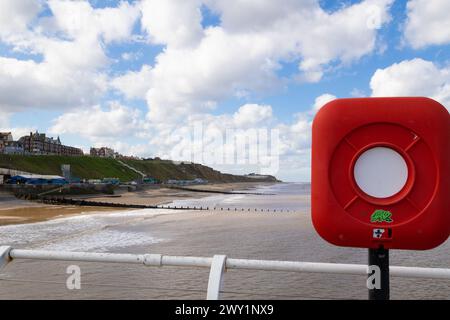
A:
x,y
82,202
46,198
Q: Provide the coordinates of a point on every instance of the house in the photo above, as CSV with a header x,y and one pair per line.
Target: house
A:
x,y
40,144
13,147
5,139
102,152
8,145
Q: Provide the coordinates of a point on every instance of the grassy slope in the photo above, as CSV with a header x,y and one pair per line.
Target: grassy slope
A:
x,y
163,170
82,167
97,168
160,169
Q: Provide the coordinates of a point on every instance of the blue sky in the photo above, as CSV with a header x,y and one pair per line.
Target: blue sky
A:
x,y
146,61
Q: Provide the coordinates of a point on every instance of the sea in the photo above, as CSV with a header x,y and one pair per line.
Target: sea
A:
x,y
270,222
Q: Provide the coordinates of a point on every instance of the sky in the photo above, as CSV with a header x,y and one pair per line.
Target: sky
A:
x,y
233,84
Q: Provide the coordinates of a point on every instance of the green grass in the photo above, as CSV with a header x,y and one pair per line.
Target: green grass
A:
x,y
164,170
160,169
85,167
81,167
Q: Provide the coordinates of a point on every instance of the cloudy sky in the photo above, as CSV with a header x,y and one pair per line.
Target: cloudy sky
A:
x,y
140,76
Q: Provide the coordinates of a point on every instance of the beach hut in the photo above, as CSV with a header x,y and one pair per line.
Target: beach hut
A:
x,y
149,180
36,179
114,181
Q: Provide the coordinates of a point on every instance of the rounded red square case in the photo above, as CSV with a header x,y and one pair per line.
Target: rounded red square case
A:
x,y
418,216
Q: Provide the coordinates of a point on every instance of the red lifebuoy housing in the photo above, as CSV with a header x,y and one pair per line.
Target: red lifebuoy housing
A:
x,y
381,173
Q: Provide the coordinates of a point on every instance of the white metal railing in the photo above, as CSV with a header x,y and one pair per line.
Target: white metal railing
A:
x,y
218,264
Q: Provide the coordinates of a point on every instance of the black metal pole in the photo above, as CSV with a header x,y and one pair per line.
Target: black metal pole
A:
x,y
380,257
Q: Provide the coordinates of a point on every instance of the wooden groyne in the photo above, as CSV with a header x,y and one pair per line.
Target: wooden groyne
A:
x,y
88,203
218,191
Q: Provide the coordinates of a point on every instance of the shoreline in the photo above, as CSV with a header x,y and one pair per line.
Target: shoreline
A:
x,y
16,211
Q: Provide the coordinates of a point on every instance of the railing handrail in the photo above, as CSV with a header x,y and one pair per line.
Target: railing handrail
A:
x,y
218,264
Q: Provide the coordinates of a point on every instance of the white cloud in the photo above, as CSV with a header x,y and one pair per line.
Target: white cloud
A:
x,y
16,15
82,54
130,56
196,70
134,85
78,19
18,132
427,23
187,80
252,115
198,67
415,77
357,93
322,100
4,119
96,123
181,140
5,126
70,50
296,137
244,53
347,35
176,23
45,86
238,15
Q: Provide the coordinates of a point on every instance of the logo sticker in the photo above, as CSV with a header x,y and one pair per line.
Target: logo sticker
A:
x,y
378,233
381,216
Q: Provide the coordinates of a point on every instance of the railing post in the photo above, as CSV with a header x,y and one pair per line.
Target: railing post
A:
x,y
4,256
380,258
216,277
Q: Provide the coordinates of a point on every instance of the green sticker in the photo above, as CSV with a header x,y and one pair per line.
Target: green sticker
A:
x,y
381,216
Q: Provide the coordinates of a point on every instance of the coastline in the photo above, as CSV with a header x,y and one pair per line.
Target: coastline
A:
x,y
16,211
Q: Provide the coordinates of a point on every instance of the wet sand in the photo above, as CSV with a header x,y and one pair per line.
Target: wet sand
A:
x,y
13,211
34,214
159,196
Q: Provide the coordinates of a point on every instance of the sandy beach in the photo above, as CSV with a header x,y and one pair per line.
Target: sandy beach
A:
x,y
13,210
159,196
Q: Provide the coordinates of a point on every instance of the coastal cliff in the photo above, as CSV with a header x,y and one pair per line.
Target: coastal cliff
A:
x,y
85,167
